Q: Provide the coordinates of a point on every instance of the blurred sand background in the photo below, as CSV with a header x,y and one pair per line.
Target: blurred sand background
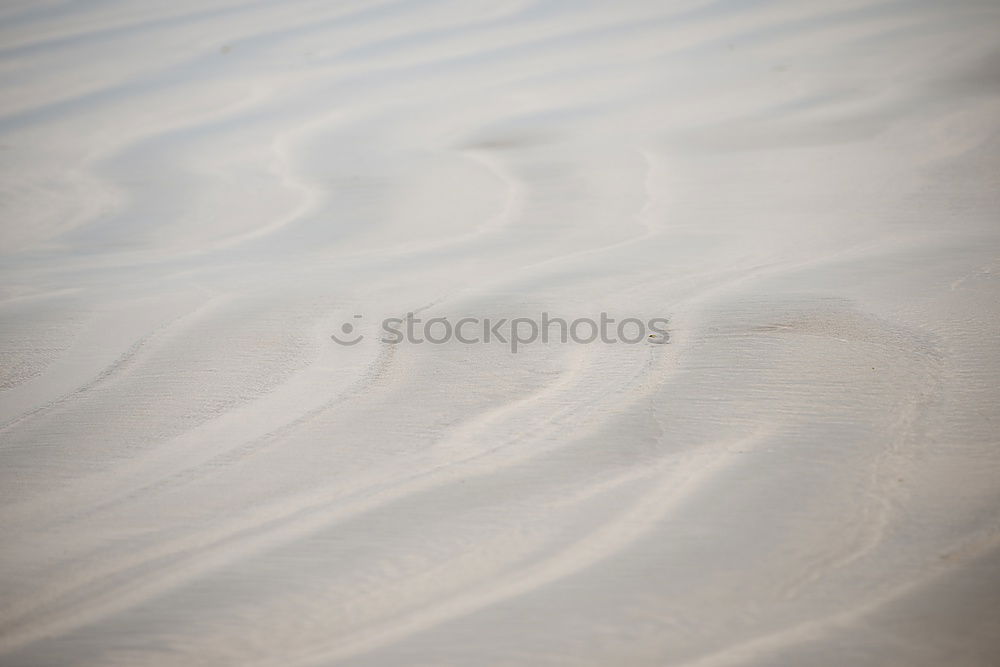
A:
x,y
195,195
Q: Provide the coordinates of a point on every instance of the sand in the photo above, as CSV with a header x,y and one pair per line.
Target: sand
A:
x,y
196,196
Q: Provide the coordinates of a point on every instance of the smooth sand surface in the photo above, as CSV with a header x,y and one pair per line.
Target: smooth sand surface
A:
x,y
196,195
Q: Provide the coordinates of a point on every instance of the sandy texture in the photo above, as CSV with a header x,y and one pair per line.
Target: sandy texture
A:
x,y
196,195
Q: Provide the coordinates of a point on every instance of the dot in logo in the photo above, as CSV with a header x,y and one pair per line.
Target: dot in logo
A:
x,y
347,327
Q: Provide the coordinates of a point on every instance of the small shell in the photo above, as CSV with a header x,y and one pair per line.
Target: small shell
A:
x,y
657,338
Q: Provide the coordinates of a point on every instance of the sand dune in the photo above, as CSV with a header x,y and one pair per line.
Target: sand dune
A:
x,y
196,196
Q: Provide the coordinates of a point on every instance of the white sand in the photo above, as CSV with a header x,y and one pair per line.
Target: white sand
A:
x,y
197,194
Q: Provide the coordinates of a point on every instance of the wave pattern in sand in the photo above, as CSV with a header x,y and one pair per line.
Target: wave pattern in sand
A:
x,y
196,195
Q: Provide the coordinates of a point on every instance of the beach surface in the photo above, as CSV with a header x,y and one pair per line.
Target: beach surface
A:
x,y
195,196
